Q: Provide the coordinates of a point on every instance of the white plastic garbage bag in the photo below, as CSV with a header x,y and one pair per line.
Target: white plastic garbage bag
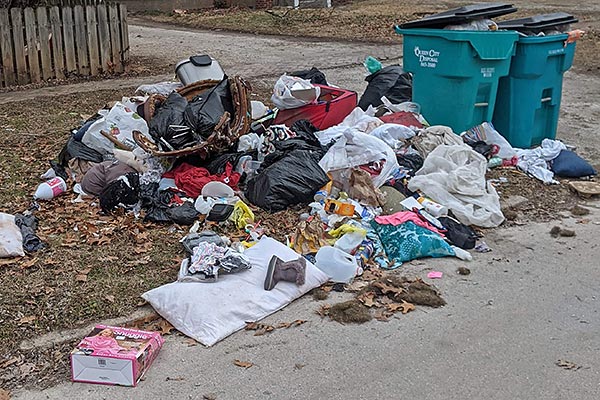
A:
x,y
356,148
358,120
11,240
120,122
393,134
454,176
283,93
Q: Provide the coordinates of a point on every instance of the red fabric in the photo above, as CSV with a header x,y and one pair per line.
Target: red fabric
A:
x,y
402,118
331,108
191,179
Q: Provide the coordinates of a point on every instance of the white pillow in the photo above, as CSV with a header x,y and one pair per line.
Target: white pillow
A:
x,y
209,312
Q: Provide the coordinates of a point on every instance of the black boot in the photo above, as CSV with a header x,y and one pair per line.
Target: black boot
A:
x,y
288,271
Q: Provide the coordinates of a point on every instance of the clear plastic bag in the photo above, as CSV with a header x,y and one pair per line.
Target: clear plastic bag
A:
x,y
284,99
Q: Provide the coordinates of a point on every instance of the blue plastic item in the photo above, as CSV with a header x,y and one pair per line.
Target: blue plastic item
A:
x,y
456,73
528,102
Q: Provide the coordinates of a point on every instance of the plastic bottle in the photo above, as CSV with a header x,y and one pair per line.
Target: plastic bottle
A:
x,y
323,193
433,208
50,189
338,265
364,252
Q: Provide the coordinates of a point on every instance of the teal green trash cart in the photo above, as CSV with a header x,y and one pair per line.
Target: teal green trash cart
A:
x,y
456,73
528,102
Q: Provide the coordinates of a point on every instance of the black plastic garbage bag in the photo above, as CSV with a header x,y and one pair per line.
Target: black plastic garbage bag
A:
x,y
313,75
203,113
184,214
391,82
155,203
75,149
171,112
293,179
122,191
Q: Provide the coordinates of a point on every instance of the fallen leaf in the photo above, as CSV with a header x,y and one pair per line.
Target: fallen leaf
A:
x,y
30,263
165,327
323,311
190,342
385,288
394,307
243,364
209,396
26,369
407,307
8,363
179,378
299,366
368,299
8,261
567,365
110,298
27,320
81,278
108,259
382,315
4,394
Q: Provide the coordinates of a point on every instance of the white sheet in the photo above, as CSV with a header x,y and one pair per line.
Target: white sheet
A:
x,y
209,312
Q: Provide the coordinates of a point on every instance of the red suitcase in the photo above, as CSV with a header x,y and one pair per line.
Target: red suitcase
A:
x,y
330,109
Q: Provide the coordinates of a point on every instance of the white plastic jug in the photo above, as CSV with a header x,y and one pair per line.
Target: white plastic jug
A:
x,y
337,264
50,189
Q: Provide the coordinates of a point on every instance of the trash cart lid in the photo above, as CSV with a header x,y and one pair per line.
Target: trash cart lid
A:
x,y
538,22
461,15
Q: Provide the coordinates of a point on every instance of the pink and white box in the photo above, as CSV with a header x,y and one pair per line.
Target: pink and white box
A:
x,y
114,356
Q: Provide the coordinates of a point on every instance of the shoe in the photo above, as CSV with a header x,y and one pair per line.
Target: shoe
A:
x,y
288,271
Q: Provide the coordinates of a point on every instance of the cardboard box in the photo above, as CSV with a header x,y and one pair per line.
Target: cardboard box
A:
x,y
114,356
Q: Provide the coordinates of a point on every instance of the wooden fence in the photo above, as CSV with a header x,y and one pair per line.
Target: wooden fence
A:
x,y
58,42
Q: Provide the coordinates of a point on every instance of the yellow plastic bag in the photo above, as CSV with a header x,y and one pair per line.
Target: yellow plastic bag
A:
x,y
242,215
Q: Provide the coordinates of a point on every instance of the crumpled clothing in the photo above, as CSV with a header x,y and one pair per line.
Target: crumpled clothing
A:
x,y
380,257
428,139
208,260
79,167
101,175
408,241
191,179
535,161
455,177
275,133
405,216
28,226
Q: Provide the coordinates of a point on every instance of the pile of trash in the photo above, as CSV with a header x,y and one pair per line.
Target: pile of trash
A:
x,y
374,185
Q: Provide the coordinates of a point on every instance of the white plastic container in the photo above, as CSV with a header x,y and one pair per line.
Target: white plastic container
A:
x,y
338,265
50,189
349,241
433,208
198,68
